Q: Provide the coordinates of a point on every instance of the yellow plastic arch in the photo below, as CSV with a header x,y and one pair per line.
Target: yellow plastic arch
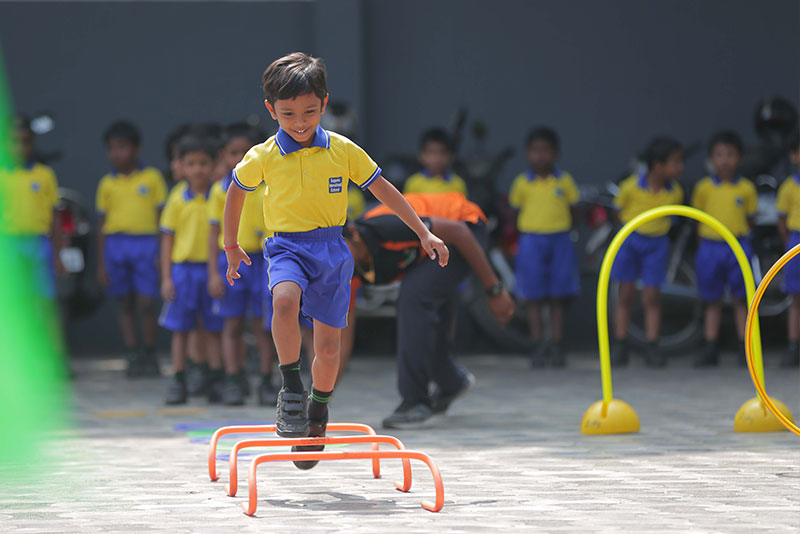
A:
x,y
597,419
780,411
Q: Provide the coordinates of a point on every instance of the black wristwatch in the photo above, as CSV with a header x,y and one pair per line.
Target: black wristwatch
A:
x,y
495,290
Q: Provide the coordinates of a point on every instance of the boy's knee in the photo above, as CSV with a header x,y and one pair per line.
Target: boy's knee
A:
x,y
146,305
234,326
650,299
327,349
127,304
286,300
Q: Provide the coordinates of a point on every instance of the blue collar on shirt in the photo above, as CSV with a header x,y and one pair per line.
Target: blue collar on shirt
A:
x,y
446,175
287,144
227,180
188,194
643,183
717,181
139,167
797,177
531,174
30,165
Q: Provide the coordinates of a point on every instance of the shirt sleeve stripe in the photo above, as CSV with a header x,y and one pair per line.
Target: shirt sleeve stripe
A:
x,y
214,221
167,230
240,184
372,178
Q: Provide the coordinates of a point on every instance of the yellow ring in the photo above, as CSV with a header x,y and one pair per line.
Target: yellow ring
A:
x,y
748,337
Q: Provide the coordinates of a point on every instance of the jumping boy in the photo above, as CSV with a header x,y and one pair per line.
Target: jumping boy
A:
x,y
306,170
732,199
546,265
645,253
129,202
435,156
788,204
184,258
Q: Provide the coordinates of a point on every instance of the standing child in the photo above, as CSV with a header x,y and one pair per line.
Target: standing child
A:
x,y
184,281
129,201
546,265
788,204
435,156
645,253
306,170
731,199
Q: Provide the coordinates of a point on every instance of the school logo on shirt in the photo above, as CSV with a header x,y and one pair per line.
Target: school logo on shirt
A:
x,y
143,190
739,201
335,185
35,187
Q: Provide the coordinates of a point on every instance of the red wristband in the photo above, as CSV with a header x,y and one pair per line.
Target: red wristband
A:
x,y
231,248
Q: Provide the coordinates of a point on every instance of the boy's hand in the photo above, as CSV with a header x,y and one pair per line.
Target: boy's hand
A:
x,y
216,288
434,245
502,307
102,275
168,290
235,257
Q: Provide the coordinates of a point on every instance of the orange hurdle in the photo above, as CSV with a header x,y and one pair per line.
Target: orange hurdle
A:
x,y
266,429
232,486
250,507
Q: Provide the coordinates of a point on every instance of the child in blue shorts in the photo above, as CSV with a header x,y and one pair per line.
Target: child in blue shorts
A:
x,y
731,199
546,265
129,202
645,254
306,170
184,276
788,204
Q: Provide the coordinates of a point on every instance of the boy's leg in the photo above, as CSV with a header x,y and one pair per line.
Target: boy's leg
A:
x,y
539,354
149,322
557,355
267,394
232,394
143,257
651,300
177,394
626,270
126,306
622,313
292,418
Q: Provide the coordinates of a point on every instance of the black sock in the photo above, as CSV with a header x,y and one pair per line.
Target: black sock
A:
x,y
319,403
215,375
180,376
291,377
232,378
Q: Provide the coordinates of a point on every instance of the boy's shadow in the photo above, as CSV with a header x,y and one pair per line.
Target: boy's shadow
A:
x,y
345,502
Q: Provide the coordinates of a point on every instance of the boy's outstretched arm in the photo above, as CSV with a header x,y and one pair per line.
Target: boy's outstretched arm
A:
x,y
234,201
394,200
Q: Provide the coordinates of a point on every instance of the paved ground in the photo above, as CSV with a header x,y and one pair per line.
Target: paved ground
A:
x,y
510,453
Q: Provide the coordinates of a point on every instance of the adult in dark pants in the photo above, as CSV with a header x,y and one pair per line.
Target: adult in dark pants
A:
x,y
385,251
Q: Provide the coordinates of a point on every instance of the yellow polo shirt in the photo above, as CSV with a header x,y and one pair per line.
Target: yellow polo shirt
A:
x,y
306,188
424,182
634,197
186,217
732,203
30,195
788,202
543,202
131,202
251,223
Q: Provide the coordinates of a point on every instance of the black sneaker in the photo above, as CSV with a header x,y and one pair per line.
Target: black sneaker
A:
x,y
134,364
440,402
709,356
232,392
653,357
149,364
244,384
267,393
409,416
291,418
316,429
791,358
558,358
214,390
539,355
620,355
176,392
196,379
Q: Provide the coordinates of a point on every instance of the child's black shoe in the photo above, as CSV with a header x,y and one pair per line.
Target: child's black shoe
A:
x,y
176,393
291,418
316,429
708,356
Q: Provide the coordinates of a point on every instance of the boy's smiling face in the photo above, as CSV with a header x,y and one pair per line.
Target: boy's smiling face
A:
x,y
299,116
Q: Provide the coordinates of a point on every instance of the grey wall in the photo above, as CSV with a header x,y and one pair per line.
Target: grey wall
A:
x,y
607,75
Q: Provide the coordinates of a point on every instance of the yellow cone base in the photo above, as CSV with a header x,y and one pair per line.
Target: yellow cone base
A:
x,y
613,417
753,416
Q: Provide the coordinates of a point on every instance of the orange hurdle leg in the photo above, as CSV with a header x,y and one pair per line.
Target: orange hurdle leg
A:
x,y
250,507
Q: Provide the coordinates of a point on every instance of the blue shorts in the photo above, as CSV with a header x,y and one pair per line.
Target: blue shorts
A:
x,y
245,298
791,273
644,257
546,267
131,262
36,253
318,261
192,301
716,267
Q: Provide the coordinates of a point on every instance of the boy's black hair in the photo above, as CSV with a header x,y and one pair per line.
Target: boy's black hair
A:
x,y
240,129
190,143
174,137
659,150
294,75
436,135
794,141
726,137
546,134
123,130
